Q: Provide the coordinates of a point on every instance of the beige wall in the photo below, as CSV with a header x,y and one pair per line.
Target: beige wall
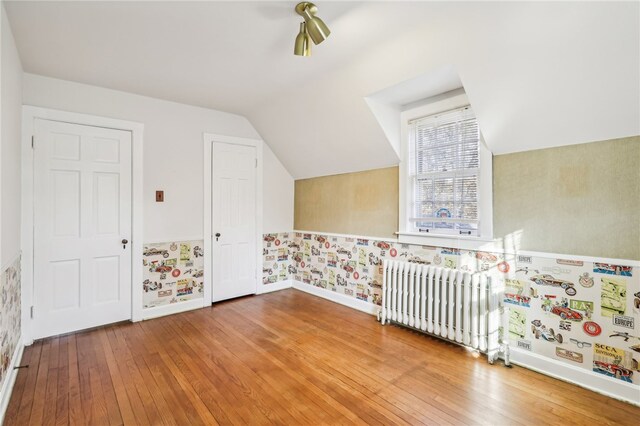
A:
x,y
579,199
363,203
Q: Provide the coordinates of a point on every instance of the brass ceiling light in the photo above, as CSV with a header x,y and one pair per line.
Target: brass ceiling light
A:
x,y
312,27
303,42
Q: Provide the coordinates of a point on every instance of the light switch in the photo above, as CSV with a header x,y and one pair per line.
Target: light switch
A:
x,y
159,196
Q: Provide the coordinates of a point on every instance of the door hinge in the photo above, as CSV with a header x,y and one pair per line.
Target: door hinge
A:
x,y
32,311
32,141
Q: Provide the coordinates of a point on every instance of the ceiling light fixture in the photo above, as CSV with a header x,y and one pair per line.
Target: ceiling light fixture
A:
x,y
303,42
312,27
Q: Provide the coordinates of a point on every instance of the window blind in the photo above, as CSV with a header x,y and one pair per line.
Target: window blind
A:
x,y
444,167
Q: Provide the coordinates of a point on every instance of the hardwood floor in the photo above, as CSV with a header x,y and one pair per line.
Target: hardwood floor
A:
x,y
285,358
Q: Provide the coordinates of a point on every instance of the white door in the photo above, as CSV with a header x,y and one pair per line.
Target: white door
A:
x,y
234,221
82,224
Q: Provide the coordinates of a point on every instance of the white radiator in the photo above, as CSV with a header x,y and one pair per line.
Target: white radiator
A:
x,y
448,303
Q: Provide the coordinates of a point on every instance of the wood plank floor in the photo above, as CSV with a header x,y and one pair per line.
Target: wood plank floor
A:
x,y
284,358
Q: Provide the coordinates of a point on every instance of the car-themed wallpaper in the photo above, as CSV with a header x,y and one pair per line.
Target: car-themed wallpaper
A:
x,y
10,312
276,265
577,312
173,272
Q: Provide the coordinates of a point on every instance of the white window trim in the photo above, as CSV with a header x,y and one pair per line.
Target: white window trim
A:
x,y
485,179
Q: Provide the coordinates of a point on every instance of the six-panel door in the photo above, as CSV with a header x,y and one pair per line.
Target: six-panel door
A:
x,y
234,218
82,216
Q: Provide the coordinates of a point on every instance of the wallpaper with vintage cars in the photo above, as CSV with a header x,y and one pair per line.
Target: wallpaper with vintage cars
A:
x,y
577,312
582,313
276,265
173,272
10,312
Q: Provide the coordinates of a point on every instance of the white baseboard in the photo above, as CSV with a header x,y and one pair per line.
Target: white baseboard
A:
x,y
10,380
280,285
351,302
599,383
174,308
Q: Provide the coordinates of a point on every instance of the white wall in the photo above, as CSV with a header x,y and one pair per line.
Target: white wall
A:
x,y
10,142
173,149
11,123
278,195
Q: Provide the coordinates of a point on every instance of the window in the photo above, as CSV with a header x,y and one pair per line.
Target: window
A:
x,y
443,172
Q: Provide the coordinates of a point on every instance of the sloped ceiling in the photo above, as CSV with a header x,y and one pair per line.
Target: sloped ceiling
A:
x,y
537,74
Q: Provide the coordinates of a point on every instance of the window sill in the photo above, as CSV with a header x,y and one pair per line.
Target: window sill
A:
x,y
454,241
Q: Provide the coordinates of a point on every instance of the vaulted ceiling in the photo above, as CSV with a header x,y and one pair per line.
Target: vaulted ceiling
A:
x,y
537,74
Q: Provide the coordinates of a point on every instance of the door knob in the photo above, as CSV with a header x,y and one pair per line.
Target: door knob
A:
x,y
217,236
124,243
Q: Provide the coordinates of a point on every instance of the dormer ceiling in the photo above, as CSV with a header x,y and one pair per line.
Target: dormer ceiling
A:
x,y
537,74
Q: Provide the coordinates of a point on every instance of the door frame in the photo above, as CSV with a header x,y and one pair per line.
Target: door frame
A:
x,y
29,115
209,139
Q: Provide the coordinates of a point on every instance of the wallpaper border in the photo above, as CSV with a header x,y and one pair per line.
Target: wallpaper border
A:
x,y
495,247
